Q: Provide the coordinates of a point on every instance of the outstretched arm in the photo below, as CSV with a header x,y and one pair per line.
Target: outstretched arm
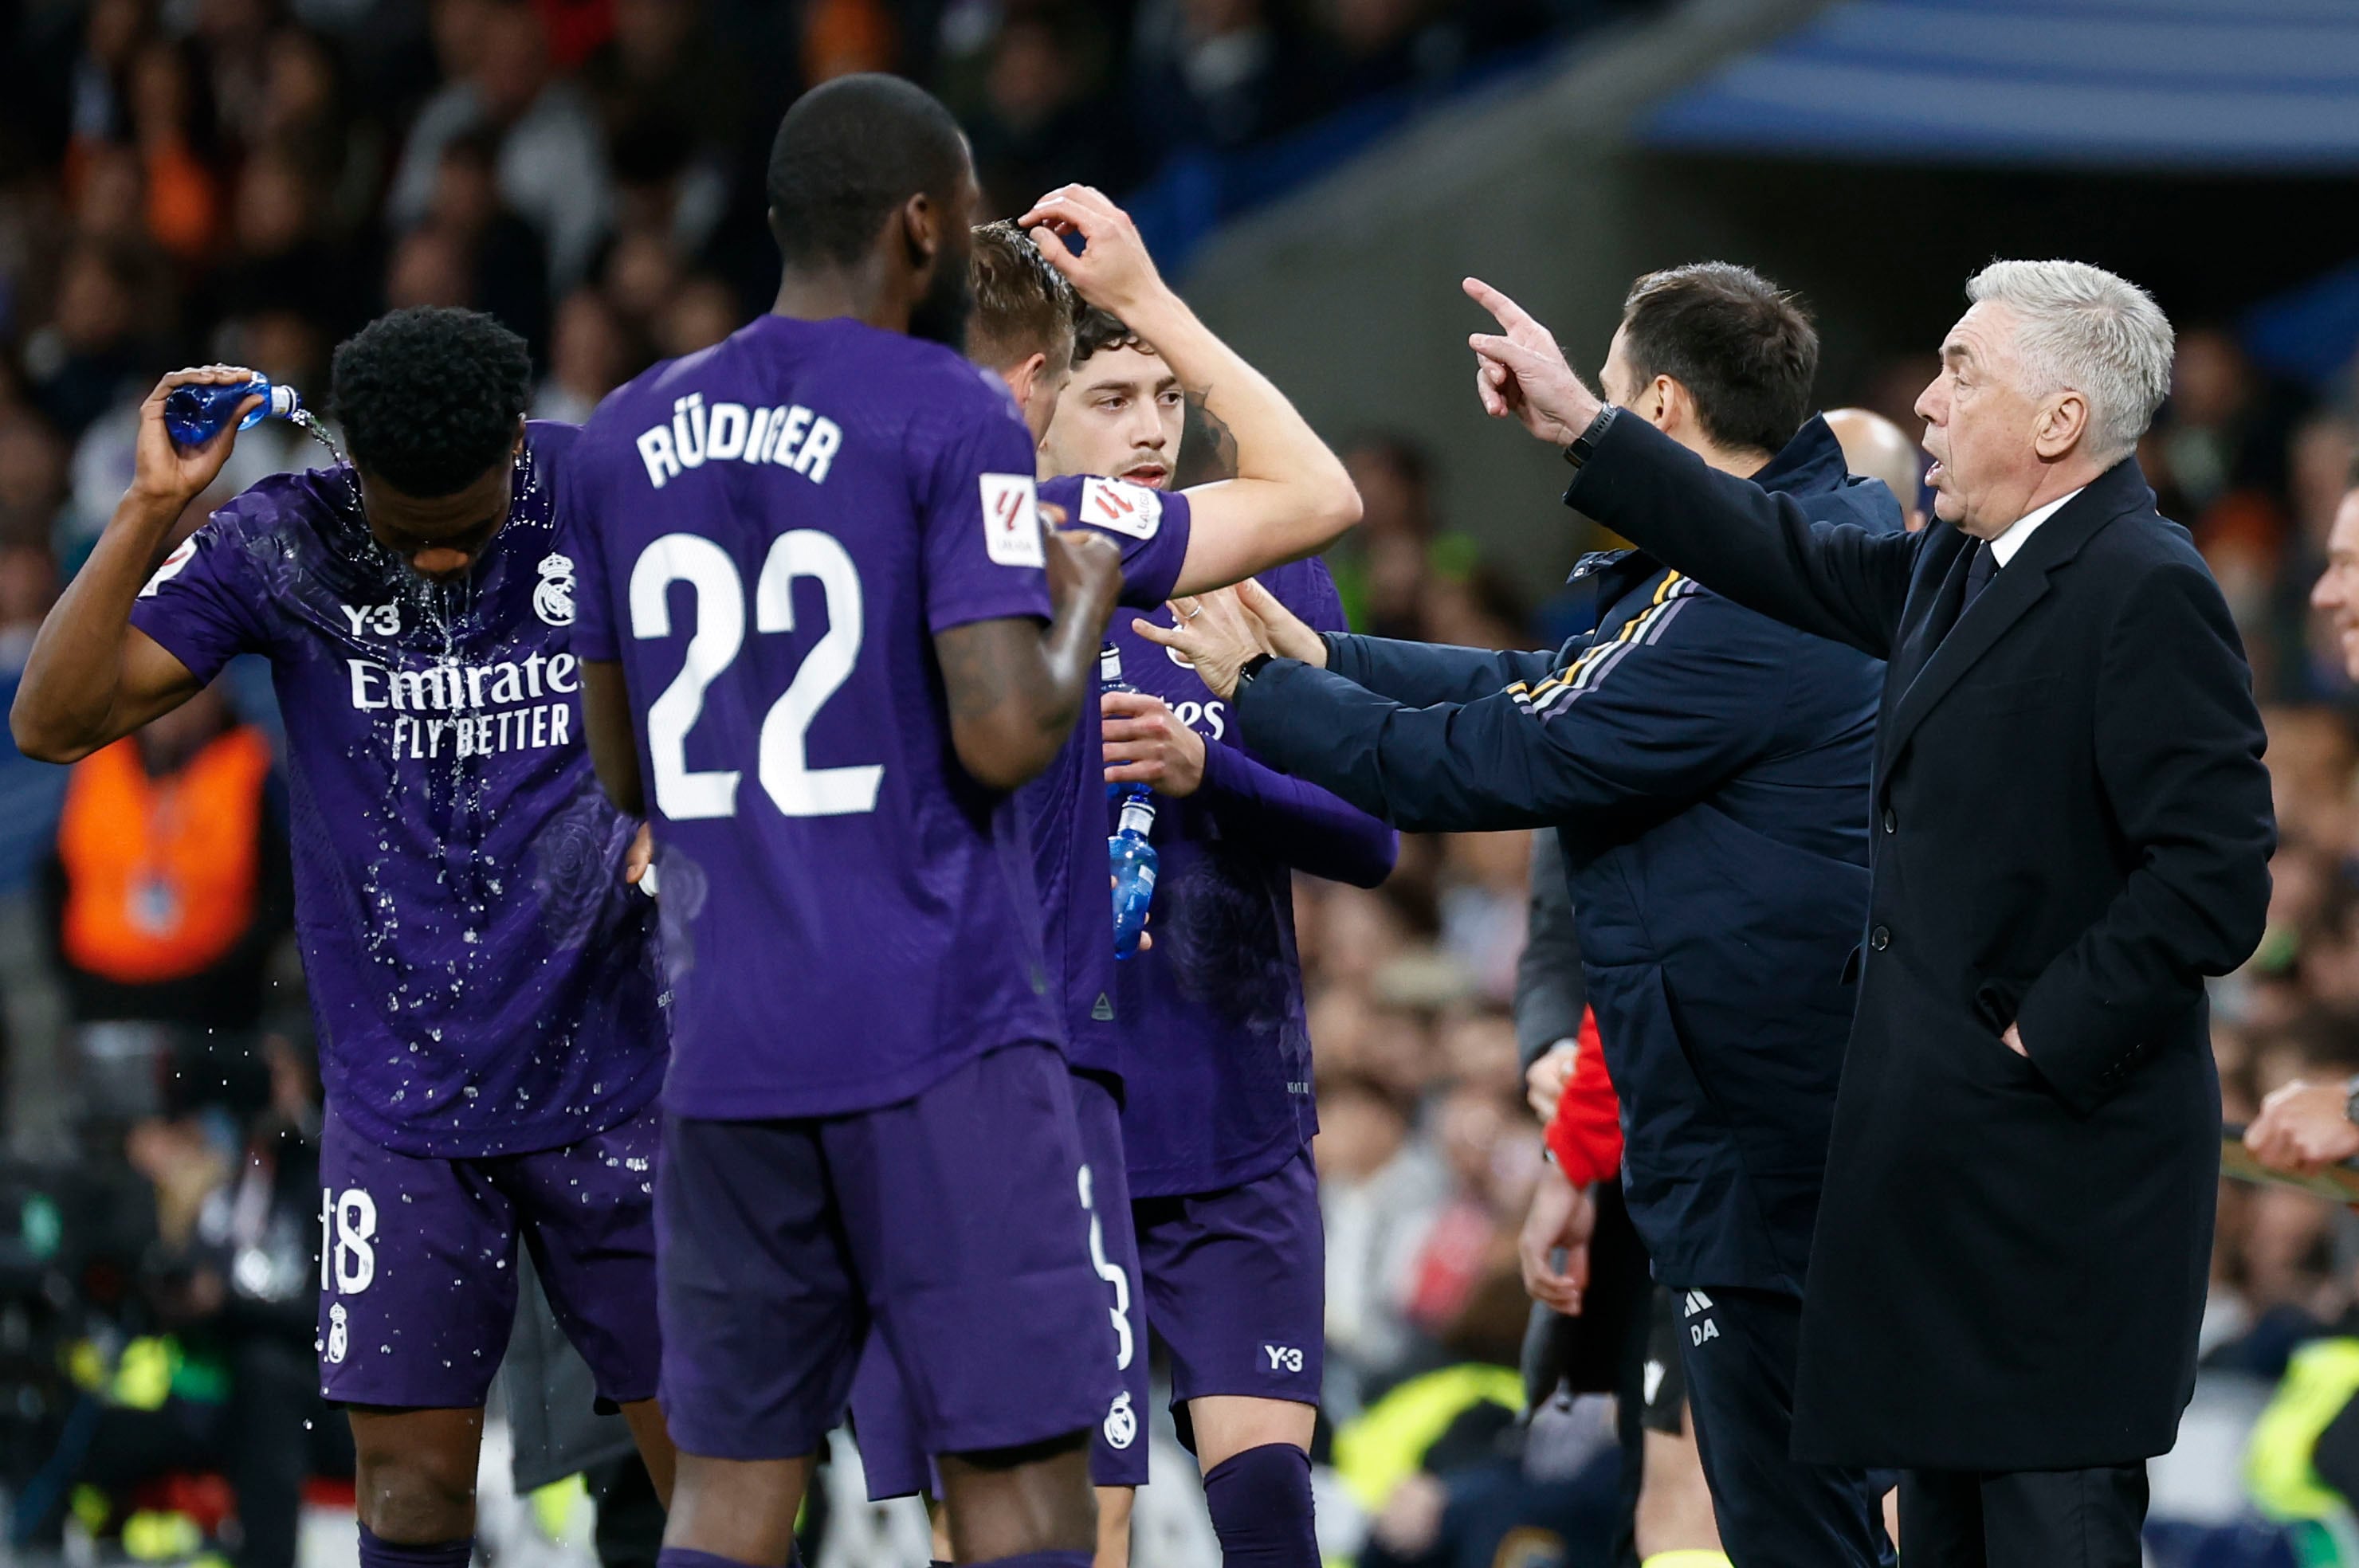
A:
x,y
1290,496
1684,708
1764,551
1418,674
92,678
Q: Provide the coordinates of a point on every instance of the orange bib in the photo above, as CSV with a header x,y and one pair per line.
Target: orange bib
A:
x,y
161,875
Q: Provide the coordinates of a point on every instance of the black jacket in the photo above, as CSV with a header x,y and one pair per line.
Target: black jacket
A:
x,y
2072,828
1550,993
1706,768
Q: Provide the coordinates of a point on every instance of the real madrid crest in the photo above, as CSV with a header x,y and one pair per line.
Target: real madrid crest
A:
x,y
552,597
1121,1425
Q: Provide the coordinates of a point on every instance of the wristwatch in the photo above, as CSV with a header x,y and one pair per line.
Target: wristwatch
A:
x,y
1584,446
1246,671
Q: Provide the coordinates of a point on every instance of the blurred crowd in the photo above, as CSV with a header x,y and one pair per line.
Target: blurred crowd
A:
x,y
247,180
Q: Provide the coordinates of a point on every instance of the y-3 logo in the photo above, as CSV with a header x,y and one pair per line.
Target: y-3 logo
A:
x,y
1283,1357
385,619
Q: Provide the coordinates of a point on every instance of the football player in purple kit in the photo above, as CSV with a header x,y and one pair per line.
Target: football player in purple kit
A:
x,y
814,589
486,983
1282,495
1217,1114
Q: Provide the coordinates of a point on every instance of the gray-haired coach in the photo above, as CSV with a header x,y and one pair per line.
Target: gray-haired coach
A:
x,y
2072,829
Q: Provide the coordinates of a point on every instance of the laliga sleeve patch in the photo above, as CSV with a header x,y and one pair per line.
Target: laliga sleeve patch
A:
x,y
1122,507
1011,520
178,558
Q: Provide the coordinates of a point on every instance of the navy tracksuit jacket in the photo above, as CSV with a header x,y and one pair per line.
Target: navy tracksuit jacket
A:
x,y
1707,771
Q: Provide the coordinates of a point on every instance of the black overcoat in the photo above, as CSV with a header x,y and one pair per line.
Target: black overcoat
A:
x,y
2071,828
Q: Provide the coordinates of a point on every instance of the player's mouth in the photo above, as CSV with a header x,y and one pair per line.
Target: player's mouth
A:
x,y
1153,475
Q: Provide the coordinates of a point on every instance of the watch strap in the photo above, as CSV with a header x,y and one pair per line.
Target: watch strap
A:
x,y
1584,446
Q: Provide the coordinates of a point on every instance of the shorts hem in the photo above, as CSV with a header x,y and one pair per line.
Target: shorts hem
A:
x,y
537,1138
755,1105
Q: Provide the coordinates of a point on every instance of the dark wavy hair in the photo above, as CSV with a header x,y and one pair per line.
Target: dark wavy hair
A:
x,y
1744,347
429,398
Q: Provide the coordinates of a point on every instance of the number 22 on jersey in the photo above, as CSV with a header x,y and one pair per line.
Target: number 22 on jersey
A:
x,y
792,783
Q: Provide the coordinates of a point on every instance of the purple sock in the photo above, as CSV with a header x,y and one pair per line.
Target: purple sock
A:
x,y
375,1553
1260,1504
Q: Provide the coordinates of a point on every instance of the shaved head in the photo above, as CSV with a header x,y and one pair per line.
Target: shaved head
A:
x,y
1874,446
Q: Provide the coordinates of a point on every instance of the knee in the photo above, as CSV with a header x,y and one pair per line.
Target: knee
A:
x,y
417,1497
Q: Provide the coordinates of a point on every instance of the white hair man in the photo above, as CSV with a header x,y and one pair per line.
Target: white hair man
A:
x,y
2072,830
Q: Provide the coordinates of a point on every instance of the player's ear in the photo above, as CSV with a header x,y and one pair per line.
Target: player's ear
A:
x,y
921,229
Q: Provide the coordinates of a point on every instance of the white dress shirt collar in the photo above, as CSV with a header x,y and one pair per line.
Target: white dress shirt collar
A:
x,y
2004,547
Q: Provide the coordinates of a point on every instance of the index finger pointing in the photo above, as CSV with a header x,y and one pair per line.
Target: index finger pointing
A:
x,y
1510,315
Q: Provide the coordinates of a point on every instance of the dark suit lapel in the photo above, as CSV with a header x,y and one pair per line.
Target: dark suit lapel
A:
x,y
2019,585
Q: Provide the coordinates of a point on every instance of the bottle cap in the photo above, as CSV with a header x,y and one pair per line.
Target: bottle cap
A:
x,y
1138,816
1109,663
285,401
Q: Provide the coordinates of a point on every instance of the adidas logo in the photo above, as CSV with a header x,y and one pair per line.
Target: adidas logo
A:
x,y
1104,1011
1696,1304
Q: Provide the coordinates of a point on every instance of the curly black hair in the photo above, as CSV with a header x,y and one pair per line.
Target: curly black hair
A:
x,y
1096,330
429,398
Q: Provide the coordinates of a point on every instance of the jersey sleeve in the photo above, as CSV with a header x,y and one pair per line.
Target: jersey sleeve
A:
x,y
1151,527
582,539
978,511
201,605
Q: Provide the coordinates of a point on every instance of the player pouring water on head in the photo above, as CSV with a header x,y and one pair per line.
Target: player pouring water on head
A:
x,y
485,978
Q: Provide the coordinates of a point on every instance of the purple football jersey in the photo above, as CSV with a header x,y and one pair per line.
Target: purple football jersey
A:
x,y
770,534
1066,804
1216,1056
486,982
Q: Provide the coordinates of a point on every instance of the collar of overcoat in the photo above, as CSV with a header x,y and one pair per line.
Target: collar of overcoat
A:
x,y
1926,664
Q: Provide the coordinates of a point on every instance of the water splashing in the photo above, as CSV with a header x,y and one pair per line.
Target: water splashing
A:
x,y
317,429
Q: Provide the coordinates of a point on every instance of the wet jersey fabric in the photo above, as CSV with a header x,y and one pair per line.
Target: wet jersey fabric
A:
x,y
483,980
771,532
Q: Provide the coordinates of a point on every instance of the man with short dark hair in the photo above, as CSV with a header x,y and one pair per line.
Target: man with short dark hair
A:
x,y
1706,770
485,978
1281,493
825,637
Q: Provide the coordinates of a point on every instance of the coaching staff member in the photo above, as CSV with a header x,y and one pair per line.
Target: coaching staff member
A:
x,y
1707,771
2071,829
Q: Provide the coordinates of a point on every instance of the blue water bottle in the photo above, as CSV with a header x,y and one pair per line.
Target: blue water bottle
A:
x,y
1133,859
1130,856
195,414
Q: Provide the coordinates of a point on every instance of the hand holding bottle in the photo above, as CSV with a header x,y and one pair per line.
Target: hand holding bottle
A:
x,y
166,476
